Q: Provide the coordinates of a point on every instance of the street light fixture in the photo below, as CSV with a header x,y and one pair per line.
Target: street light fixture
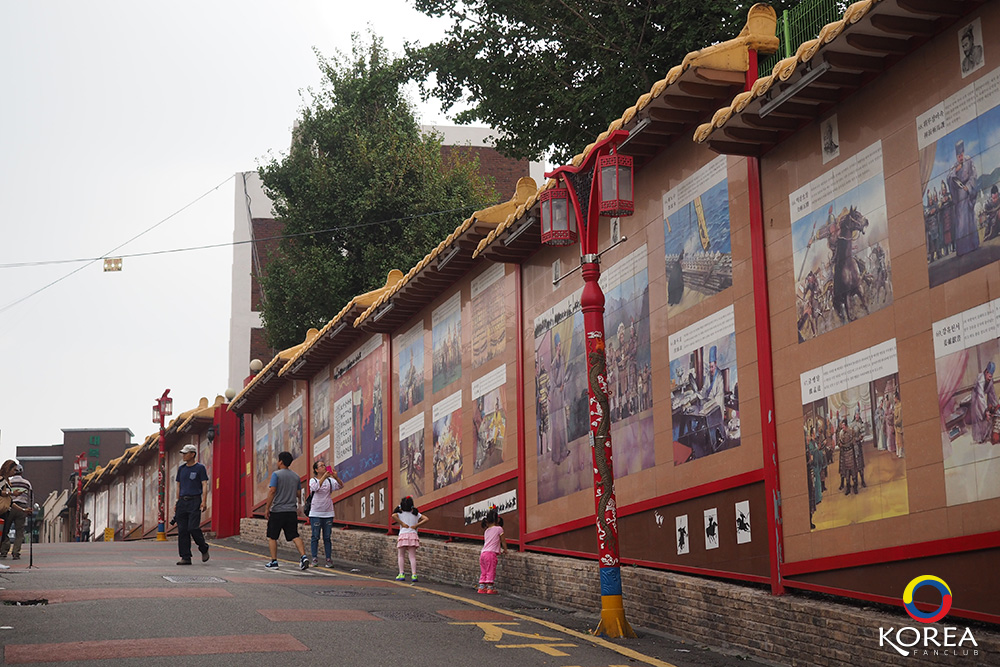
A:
x,y
162,408
609,193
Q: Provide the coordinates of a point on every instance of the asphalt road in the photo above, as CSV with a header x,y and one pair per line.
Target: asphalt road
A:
x,y
127,603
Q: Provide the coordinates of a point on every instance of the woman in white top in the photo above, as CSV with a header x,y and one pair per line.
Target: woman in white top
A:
x,y
322,485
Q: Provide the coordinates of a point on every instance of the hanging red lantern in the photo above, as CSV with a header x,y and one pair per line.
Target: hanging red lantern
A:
x,y
615,174
558,217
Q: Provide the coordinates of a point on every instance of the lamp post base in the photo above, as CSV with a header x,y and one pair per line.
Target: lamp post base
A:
x,y
613,624
161,533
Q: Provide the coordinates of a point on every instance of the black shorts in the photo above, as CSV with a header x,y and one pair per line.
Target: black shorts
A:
x,y
283,521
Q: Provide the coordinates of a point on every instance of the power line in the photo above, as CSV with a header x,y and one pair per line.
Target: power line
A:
x,y
107,254
89,260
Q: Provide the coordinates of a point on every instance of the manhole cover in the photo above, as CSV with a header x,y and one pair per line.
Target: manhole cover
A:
x,y
340,593
174,579
403,615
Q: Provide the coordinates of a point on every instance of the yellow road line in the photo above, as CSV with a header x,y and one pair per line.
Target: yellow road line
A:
x,y
596,641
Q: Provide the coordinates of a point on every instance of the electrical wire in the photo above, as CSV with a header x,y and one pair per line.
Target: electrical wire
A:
x,y
15,265
107,254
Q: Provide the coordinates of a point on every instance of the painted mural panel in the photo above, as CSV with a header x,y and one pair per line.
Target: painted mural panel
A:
x,y
853,432
411,367
840,245
447,461
966,350
565,461
699,256
264,457
446,345
412,454
205,458
133,499
358,438
319,404
959,144
150,495
489,315
489,418
704,387
295,427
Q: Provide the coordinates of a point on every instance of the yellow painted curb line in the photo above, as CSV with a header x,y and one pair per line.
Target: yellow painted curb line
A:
x,y
596,641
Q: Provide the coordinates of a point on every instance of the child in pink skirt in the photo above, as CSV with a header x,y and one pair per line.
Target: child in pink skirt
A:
x,y
408,518
493,544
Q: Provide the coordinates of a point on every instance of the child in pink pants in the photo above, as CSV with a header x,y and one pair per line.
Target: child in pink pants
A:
x,y
493,545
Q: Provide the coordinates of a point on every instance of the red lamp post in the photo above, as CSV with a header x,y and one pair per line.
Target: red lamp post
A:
x,y
609,193
79,468
162,408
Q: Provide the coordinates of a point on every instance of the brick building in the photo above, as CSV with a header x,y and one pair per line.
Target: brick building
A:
x,y
254,221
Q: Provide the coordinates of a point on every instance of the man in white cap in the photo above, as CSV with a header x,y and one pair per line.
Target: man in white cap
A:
x,y
192,491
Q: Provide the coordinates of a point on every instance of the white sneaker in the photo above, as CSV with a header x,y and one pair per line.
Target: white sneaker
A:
x,y
4,567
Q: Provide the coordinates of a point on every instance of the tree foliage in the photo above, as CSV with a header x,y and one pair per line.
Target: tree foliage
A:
x,y
360,192
554,73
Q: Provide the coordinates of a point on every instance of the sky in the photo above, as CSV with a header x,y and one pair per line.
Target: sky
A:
x,y
118,117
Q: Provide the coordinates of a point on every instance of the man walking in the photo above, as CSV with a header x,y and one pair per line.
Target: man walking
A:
x,y
20,508
281,510
192,491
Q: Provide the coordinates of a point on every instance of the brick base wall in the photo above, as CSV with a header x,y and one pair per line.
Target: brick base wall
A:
x,y
786,630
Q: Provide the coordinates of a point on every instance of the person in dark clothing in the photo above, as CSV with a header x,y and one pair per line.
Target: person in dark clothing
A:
x,y
192,493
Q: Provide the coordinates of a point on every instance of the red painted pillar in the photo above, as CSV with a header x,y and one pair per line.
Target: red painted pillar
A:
x,y
226,473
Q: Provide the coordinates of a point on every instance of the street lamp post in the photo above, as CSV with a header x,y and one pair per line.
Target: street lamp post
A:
x,y
79,469
162,408
605,178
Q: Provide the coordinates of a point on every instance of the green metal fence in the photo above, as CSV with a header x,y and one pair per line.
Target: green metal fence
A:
x,y
799,24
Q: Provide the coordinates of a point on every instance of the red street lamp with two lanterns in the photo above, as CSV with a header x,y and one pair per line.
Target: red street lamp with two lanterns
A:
x,y
162,408
605,178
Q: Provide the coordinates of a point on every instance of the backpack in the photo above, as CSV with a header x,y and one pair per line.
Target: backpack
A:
x,y
309,498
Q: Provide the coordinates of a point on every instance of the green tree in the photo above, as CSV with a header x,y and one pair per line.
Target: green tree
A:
x,y
360,192
552,74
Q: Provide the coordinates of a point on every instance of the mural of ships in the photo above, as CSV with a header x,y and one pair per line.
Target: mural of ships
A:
x,y
706,272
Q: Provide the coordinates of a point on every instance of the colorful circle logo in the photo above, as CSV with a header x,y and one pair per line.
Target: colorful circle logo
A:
x,y
910,604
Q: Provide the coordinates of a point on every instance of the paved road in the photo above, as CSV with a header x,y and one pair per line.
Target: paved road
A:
x,y
127,603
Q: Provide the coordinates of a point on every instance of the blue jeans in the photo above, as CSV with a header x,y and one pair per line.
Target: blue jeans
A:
x,y
326,525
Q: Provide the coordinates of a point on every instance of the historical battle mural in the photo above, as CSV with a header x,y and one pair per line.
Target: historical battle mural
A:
x,y
698,248
959,144
489,418
853,431
840,245
967,349
565,461
704,387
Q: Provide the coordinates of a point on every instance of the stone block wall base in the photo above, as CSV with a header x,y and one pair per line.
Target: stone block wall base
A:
x,y
785,630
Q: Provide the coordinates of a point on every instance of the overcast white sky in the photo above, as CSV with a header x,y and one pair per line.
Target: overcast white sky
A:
x,y
114,116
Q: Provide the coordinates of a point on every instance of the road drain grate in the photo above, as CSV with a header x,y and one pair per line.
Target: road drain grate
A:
x,y
340,593
24,603
175,579
403,615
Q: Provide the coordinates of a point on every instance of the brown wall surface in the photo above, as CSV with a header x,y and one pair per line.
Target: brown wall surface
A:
x,y
658,475
920,511
484,355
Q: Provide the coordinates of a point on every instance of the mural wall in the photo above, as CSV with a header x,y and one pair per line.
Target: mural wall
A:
x,y
358,420
697,247
564,457
853,430
279,425
966,351
840,245
959,144
704,387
